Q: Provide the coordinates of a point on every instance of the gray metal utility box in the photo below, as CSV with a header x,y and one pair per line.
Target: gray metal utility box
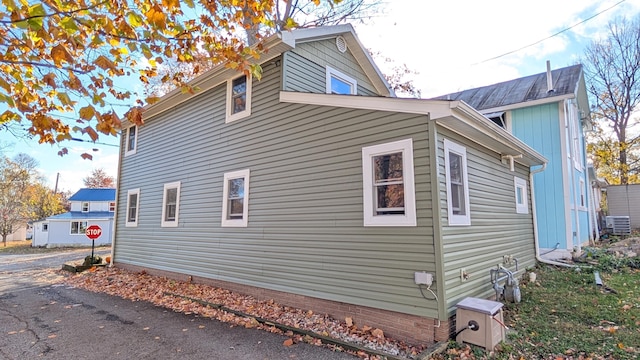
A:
x,y
487,314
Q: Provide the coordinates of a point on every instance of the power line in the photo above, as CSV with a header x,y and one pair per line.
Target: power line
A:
x,y
556,34
94,142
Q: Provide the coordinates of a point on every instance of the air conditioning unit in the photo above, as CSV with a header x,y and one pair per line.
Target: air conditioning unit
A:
x,y
618,225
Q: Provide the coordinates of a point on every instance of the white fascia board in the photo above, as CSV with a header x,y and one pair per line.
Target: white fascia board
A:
x,y
410,106
496,133
529,103
275,46
455,115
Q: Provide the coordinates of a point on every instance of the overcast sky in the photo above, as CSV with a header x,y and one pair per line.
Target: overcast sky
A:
x,y
453,45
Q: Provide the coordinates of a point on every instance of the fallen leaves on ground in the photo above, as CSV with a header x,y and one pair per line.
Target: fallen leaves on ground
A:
x,y
141,286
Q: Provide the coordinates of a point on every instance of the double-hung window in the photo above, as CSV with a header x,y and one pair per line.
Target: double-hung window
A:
x,y
78,227
583,196
339,83
131,140
522,203
170,204
112,206
238,98
455,160
388,184
85,206
235,202
133,204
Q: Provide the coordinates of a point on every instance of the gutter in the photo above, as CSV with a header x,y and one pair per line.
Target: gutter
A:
x,y
535,221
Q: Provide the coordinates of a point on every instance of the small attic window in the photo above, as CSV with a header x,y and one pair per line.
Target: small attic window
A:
x,y
498,118
339,83
341,44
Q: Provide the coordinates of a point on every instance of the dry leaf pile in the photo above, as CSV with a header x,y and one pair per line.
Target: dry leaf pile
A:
x,y
173,294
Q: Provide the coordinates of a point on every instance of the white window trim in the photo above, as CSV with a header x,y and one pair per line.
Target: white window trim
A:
x,y
583,196
368,193
79,232
225,194
112,206
82,206
128,152
455,219
520,183
126,218
247,111
331,72
45,225
173,223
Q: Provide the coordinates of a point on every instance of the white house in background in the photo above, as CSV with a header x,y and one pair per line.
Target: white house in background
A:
x,y
88,207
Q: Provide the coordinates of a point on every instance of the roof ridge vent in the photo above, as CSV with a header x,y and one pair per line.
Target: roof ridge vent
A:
x,y
549,78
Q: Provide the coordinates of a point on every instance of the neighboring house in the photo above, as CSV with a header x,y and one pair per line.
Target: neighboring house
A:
x,y
20,233
318,188
624,200
549,112
88,207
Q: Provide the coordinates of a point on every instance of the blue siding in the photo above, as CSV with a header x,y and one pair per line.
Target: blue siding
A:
x,y
538,127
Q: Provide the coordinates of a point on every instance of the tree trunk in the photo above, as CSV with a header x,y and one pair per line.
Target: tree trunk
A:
x,y
4,240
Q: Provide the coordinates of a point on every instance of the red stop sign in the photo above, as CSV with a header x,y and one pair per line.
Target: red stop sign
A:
x,y
93,232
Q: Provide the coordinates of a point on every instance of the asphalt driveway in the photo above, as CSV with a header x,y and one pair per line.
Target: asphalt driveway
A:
x,y
42,319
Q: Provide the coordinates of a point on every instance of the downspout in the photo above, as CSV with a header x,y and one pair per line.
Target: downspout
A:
x,y
572,174
594,225
535,220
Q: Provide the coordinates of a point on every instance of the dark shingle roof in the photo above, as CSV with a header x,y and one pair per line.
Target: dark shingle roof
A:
x,y
529,88
100,194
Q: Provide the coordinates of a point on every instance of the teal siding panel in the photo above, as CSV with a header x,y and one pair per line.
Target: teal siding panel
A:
x,y
538,127
496,229
305,231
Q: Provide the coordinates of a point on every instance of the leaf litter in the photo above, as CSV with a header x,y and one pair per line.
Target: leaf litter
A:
x,y
187,298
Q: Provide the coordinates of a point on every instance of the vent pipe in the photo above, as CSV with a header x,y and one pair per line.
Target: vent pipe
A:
x,y
549,78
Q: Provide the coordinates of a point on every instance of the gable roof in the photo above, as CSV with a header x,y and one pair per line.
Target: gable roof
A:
x,y
99,194
275,45
528,89
454,115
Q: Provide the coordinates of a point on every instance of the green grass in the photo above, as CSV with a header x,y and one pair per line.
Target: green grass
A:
x,y
566,315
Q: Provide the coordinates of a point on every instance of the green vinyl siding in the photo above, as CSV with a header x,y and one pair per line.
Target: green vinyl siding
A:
x,y
305,232
496,229
305,75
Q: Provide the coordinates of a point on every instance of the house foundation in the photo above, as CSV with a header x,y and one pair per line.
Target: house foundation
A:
x,y
409,328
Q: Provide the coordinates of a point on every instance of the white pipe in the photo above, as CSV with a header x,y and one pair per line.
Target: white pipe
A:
x,y
535,220
511,163
569,114
549,78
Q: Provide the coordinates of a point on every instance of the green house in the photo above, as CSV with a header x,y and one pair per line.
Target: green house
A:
x,y
317,187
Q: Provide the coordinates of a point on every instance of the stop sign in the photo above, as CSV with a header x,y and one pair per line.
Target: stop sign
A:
x,y
93,232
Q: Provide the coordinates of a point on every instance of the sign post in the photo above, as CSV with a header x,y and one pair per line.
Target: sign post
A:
x,y
93,232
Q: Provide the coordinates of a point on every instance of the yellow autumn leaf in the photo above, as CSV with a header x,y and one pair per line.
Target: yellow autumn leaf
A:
x,y
156,17
60,54
87,112
5,85
104,63
64,98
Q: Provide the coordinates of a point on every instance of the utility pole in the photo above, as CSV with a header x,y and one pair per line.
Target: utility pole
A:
x,y
55,191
